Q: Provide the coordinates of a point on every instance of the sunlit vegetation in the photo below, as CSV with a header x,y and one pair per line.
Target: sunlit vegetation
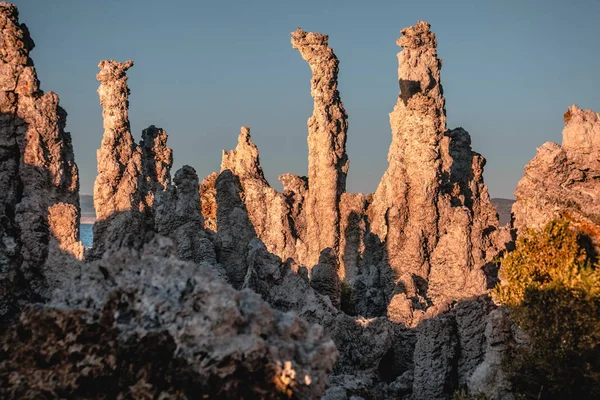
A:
x,y
551,285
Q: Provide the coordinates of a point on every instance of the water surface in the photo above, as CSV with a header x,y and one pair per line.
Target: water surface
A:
x,y
87,235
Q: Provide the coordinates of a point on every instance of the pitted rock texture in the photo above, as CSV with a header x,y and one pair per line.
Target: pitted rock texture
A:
x,y
431,210
267,209
129,175
208,197
157,160
235,230
117,197
489,378
362,343
145,324
178,216
324,277
564,180
39,183
435,353
327,159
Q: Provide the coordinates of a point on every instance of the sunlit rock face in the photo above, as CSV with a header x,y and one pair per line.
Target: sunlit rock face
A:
x,y
208,195
129,175
327,159
267,209
564,180
431,210
39,184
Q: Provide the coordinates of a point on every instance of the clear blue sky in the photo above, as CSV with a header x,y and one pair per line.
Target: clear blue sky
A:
x,y
205,68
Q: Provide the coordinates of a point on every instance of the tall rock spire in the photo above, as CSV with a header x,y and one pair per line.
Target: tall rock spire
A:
x,y
129,175
431,208
119,158
327,158
404,211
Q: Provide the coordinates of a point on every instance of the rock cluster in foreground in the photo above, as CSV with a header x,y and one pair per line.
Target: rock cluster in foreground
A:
x,y
226,287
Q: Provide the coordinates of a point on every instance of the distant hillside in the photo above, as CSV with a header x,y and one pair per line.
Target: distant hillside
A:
x,y
88,214
503,206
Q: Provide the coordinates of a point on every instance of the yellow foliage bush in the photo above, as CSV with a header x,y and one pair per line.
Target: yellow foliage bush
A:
x,y
551,285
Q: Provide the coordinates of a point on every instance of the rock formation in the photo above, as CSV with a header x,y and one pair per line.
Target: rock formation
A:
x,y
420,247
147,325
397,279
178,216
431,208
267,208
488,378
235,230
327,158
157,160
564,180
208,198
129,175
39,184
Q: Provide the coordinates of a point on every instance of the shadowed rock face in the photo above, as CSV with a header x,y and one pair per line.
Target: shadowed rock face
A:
x,y
178,216
39,184
564,180
327,159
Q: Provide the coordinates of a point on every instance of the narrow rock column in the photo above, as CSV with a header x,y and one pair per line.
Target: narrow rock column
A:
x,y
404,206
235,230
157,160
431,209
119,158
178,216
117,198
208,197
404,209
327,158
129,175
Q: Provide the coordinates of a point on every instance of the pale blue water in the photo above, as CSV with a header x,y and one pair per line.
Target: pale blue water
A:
x,y
87,234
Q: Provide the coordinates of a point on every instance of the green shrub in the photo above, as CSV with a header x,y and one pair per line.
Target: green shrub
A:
x,y
551,286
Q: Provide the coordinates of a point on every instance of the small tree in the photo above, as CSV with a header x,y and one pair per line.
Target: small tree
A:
x,y
551,286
